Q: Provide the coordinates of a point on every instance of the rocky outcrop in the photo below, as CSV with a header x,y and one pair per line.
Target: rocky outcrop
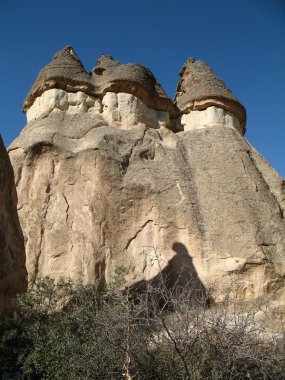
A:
x,y
105,180
12,257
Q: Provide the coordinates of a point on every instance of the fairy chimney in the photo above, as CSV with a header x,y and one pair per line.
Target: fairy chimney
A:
x,y
104,180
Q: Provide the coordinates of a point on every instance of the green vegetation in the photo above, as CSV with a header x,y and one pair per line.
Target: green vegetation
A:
x,y
67,331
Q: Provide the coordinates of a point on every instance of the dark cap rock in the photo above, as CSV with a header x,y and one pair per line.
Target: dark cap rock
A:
x,y
199,88
65,72
112,76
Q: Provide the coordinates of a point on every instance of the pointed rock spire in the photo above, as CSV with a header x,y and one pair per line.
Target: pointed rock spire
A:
x,y
112,76
65,71
199,88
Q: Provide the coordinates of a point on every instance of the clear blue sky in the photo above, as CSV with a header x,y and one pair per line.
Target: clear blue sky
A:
x,y
242,40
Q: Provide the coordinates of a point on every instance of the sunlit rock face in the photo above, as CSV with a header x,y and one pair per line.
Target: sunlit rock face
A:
x,y
120,109
126,111
12,253
54,100
93,197
211,116
114,175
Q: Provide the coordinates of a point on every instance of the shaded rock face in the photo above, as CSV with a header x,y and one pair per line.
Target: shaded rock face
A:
x,y
12,257
110,182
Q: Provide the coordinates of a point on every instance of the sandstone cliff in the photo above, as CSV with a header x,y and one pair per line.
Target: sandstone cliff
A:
x,y
12,257
110,172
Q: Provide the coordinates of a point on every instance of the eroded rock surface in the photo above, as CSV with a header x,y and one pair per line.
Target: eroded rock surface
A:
x,y
12,257
105,180
93,197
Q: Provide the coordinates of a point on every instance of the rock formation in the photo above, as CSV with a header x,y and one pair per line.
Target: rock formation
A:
x,y
110,172
110,86
12,257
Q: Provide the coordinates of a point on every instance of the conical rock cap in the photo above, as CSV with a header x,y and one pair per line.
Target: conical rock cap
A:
x,y
65,71
199,88
113,76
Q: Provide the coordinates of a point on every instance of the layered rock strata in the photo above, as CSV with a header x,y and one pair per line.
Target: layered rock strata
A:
x,y
105,180
12,253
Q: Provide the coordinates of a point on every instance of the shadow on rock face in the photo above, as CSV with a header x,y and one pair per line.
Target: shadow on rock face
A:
x,y
183,273
178,278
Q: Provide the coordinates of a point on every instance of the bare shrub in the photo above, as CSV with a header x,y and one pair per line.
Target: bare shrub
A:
x,y
160,329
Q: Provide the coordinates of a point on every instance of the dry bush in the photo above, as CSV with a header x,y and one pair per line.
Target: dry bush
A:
x,y
159,330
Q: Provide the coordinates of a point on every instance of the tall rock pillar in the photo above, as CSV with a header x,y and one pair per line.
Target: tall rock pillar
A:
x,y
238,196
